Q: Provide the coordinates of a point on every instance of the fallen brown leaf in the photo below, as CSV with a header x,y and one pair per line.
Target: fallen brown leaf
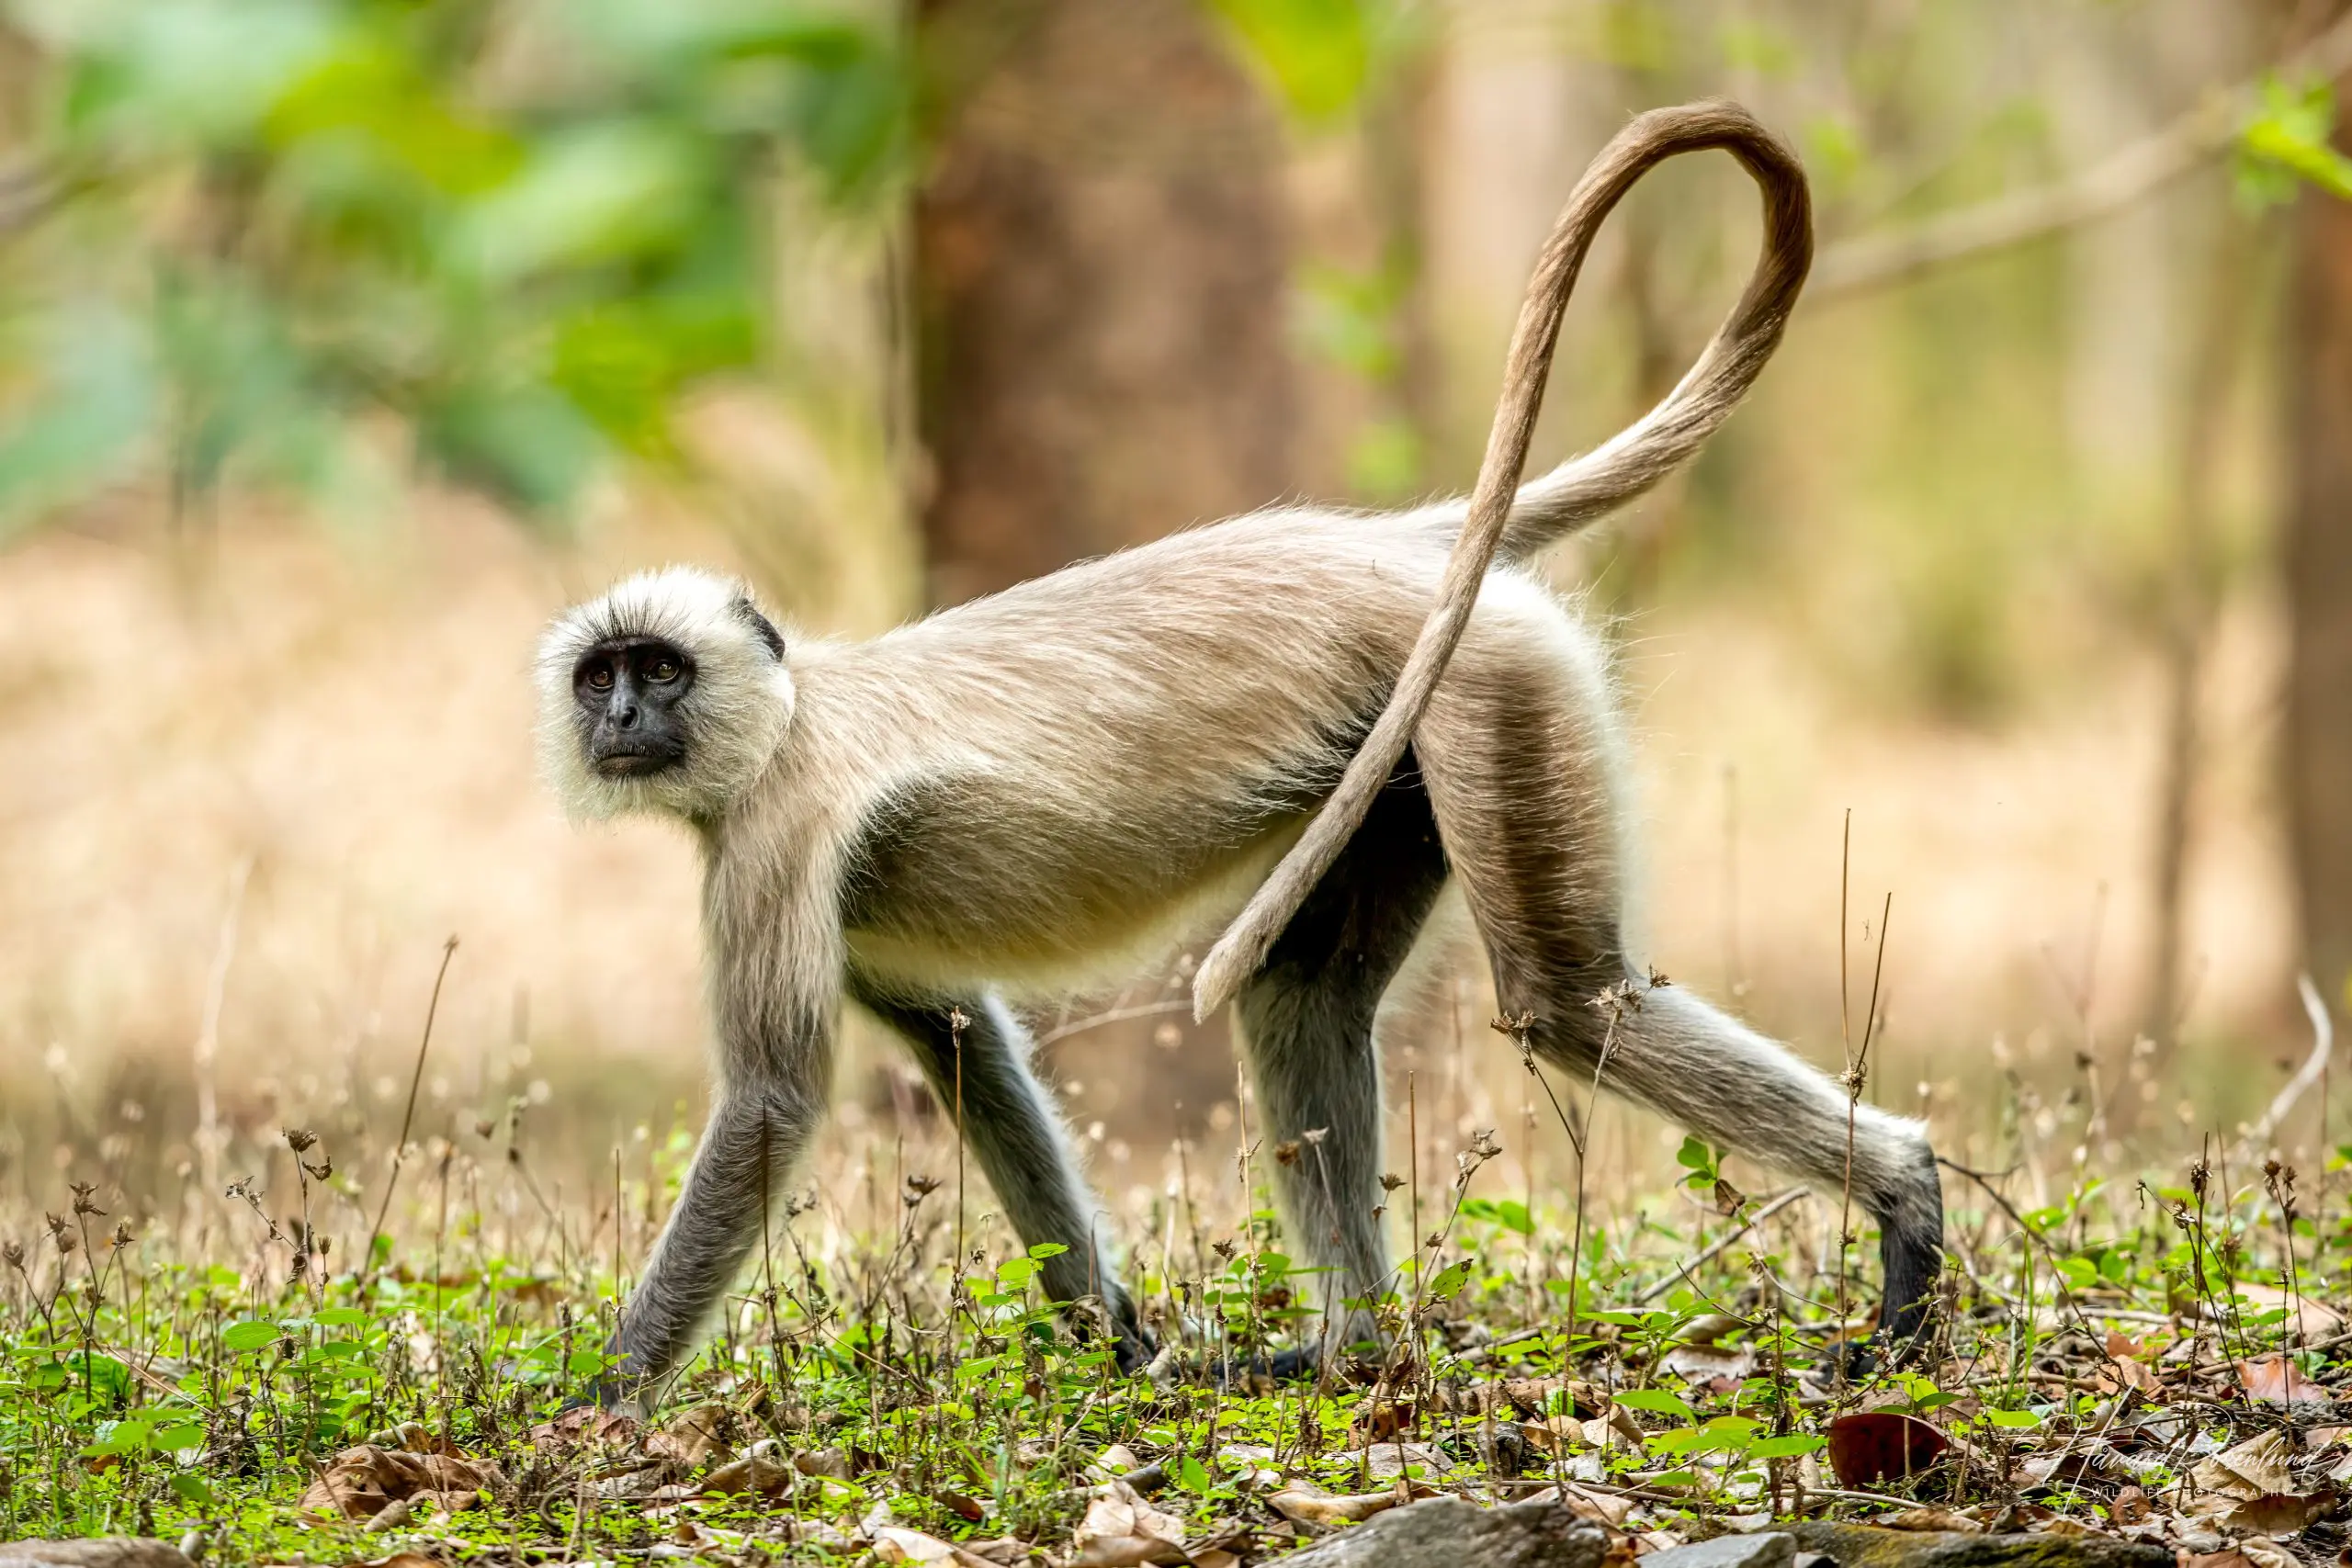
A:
x,y
2276,1379
585,1424
695,1435
1310,1505
1931,1519
2253,1467
753,1475
2130,1507
1711,1367
360,1482
2278,1513
1122,1530
893,1544
2312,1319
1380,1423
1602,1508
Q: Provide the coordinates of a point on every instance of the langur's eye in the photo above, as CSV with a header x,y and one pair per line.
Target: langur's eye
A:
x,y
664,671
600,677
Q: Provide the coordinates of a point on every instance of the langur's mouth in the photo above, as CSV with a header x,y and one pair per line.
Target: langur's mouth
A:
x,y
633,764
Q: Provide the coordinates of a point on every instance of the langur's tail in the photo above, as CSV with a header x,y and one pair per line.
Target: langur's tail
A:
x,y
1582,489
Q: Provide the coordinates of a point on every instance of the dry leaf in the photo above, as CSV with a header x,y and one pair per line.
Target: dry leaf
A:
x,y
1929,1519
2253,1467
2265,1554
1004,1550
2312,1319
1380,1423
360,1482
1385,1461
694,1436
1871,1447
1121,1530
2278,1513
2130,1507
1602,1508
585,1424
1310,1505
1711,1367
2276,1379
831,1462
1560,1434
753,1475
893,1544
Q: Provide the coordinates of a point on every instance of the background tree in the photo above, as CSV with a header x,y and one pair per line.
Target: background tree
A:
x,y
1100,273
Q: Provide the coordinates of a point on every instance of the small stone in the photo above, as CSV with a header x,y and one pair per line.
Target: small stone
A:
x,y
105,1551
1860,1546
1768,1549
1447,1533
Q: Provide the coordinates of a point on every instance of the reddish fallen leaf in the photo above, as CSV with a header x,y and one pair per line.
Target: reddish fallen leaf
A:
x,y
360,1482
1871,1447
2276,1379
2130,1507
585,1424
1711,1367
2278,1513
968,1509
1380,1423
1940,1521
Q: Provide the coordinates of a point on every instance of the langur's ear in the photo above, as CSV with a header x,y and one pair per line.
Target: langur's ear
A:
x,y
761,627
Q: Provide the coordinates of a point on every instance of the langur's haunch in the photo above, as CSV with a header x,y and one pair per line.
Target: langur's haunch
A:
x,y
1296,725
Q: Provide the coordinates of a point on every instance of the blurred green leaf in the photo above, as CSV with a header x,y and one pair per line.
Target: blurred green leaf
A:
x,y
2287,144
1318,54
287,218
95,402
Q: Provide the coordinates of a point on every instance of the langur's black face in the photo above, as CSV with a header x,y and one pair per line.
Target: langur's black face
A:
x,y
628,690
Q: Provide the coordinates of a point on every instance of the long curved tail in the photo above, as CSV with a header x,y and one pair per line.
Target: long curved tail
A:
x,y
1502,518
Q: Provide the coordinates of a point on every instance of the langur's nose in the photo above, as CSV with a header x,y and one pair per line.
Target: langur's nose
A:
x,y
624,715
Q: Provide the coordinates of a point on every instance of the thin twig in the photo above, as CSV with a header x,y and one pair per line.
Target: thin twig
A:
x,y
1714,1249
408,1117
2323,1044
1867,262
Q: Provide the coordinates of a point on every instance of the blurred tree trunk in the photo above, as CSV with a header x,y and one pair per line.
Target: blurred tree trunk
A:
x,y
2318,563
1101,273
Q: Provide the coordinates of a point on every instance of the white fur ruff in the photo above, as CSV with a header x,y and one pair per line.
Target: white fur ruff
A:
x,y
736,713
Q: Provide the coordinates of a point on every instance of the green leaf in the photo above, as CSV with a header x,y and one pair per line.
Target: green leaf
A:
x,y
1318,54
1193,1476
2288,140
1449,1280
1785,1448
249,1335
177,1439
2015,1419
1655,1399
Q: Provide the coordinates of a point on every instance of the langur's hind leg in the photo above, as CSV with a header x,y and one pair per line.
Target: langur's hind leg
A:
x,y
1522,762
1305,1029
1019,1140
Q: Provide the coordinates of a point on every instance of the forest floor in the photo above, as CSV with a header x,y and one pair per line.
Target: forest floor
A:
x,y
2160,1361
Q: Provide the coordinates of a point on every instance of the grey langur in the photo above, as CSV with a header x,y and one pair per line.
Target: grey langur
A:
x,y
1314,717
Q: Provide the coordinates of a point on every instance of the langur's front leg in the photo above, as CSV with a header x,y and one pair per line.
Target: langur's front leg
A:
x,y
757,1130
1017,1135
